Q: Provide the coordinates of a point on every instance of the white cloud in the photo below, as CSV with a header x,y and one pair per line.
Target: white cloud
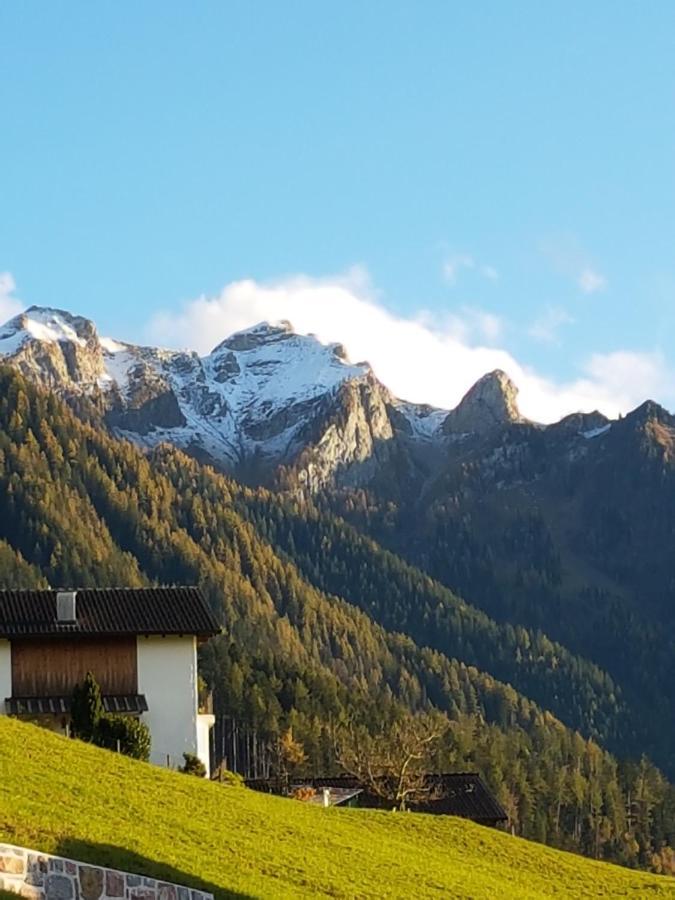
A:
x,y
491,326
9,305
466,325
591,281
640,375
485,326
569,259
425,358
453,265
545,328
456,262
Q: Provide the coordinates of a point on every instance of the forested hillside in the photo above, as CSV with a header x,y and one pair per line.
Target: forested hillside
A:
x,y
341,561
80,508
539,531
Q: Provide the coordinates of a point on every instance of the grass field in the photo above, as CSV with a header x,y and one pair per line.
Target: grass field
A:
x,y
69,798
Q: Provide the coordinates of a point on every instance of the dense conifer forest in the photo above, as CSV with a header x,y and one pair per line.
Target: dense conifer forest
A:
x,y
578,549
320,625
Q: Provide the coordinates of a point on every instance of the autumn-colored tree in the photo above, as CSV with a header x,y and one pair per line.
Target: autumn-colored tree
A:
x,y
395,764
291,754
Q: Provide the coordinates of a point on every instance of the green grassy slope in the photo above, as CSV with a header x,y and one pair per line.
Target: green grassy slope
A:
x,y
65,797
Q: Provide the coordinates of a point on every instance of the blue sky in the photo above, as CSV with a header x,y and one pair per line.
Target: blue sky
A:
x,y
502,172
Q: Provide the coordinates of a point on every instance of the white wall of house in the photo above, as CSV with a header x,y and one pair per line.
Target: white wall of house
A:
x,y
205,722
167,675
5,673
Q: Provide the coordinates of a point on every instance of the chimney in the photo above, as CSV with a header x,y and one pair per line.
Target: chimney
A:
x,y
66,607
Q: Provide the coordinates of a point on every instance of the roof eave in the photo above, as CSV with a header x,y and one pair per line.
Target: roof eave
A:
x,y
202,636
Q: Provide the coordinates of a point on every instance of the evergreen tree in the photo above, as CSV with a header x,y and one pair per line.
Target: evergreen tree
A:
x,y
86,709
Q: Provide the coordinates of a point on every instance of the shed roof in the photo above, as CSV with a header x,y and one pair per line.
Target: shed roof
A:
x,y
108,611
453,793
465,794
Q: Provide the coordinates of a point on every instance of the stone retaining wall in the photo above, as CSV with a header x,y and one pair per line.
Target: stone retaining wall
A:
x,y
39,876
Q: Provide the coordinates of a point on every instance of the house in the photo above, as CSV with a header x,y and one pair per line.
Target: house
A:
x,y
462,794
140,645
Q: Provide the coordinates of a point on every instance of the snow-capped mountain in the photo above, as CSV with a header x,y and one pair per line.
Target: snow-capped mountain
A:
x,y
260,399
265,397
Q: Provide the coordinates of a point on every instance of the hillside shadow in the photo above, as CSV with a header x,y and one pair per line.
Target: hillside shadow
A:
x,y
110,856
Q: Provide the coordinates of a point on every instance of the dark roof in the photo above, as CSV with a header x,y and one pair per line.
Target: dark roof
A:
x,y
465,794
26,706
454,794
108,611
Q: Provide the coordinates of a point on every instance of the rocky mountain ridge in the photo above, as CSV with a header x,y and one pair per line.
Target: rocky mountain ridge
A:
x,y
264,398
250,402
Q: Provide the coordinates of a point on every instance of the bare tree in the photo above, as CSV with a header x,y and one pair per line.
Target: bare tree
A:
x,y
397,764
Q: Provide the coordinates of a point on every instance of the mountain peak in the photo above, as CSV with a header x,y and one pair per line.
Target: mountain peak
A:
x,y
46,324
650,411
491,403
268,335
61,349
257,336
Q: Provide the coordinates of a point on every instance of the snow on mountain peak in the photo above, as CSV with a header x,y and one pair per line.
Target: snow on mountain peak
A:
x,y
272,364
257,336
111,346
56,346
47,325
254,397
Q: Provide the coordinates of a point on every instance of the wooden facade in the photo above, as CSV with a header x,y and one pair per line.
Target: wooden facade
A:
x,y
52,668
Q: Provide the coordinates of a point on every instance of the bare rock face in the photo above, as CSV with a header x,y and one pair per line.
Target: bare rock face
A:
x,y
490,404
54,347
353,438
160,410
